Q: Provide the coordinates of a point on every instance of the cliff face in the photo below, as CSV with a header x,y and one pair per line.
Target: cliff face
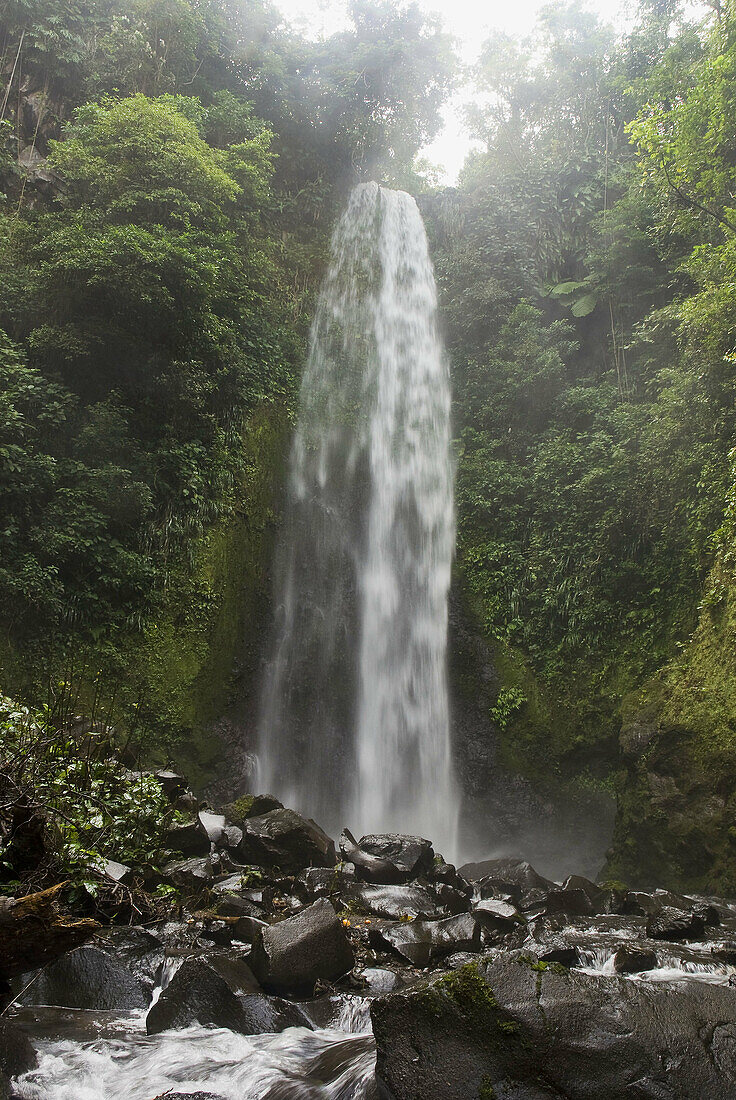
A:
x,y
677,801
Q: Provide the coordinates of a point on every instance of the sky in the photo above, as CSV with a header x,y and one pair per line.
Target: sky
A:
x,y
470,21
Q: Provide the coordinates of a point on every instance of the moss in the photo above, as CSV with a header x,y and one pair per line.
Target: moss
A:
x,y
240,809
470,998
678,786
167,683
486,1091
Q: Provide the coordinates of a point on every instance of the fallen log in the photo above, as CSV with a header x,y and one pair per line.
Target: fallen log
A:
x,y
34,932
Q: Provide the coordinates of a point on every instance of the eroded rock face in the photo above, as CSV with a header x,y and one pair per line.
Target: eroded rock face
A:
x,y
292,955
507,1028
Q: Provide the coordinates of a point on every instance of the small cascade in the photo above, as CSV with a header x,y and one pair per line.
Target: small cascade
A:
x,y
354,723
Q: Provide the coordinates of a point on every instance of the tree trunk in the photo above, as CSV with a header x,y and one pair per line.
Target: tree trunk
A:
x,y
33,932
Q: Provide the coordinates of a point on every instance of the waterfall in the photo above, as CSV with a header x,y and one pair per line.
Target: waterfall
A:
x,y
354,726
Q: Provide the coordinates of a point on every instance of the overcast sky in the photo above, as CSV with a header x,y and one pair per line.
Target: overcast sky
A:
x,y
470,22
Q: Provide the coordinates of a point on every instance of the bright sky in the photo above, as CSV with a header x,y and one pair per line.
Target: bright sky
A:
x,y
470,21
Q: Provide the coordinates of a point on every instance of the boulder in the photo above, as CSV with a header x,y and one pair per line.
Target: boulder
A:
x,y
394,902
247,929
137,949
509,1029
422,942
292,955
191,874
234,970
453,900
282,838
270,1014
631,959
87,978
497,916
508,873
251,805
190,838
321,882
573,903
387,858
196,994
213,825
675,925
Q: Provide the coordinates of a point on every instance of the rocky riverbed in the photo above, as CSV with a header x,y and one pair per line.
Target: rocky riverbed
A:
x,y
292,968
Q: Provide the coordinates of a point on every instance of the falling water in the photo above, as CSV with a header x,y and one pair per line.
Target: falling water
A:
x,y
355,723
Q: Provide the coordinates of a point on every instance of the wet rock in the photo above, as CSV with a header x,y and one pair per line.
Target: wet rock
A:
x,y
421,942
507,1029
453,900
137,949
196,994
596,895
496,915
172,784
387,858
197,873
630,959
118,872
675,925
234,970
445,872
380,980
284,839
292,955
87,978
17,1054
270,1014
321,882
573,903
246,929
394,902
189,838
511,875
251,805
213,825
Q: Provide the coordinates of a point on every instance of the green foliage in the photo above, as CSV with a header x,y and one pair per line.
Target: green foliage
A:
x,y
94,807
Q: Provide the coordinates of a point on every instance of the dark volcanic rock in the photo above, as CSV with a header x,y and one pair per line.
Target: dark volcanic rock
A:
x,y
16,1051
395,902
672,924
87,978
282,838
512,878
506,1029
192,874
630,959
196,993
421,942
292,955
268,1014
190,839
387,858
251,805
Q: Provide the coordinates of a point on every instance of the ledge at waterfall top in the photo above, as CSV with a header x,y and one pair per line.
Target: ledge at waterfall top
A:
x,y
354,724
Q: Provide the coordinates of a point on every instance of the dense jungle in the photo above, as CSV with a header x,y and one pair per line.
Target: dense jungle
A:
x,y
171,172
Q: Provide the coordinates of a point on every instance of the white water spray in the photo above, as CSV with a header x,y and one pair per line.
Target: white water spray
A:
x,y
355,723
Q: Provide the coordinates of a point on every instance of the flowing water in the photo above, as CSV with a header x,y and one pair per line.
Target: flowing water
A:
x,y
355,724
98,1056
